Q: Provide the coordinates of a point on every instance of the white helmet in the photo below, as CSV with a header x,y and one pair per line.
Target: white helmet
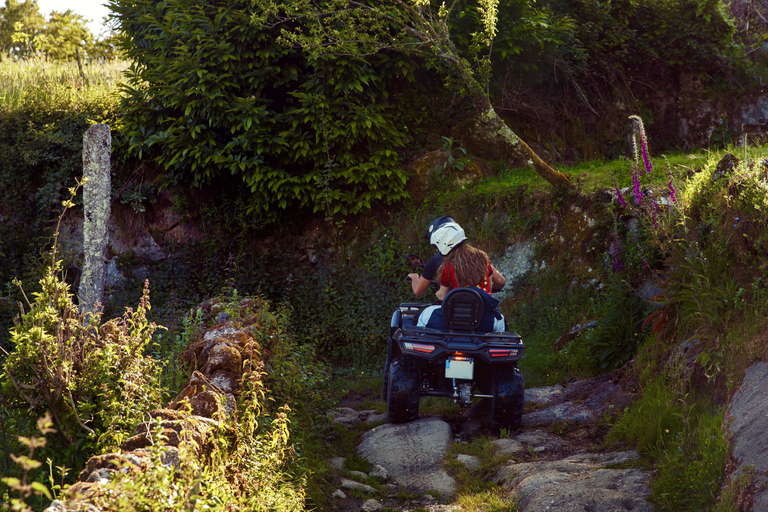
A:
x,y
447,236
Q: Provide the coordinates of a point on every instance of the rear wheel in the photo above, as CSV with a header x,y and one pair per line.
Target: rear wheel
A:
x,y
508,396
403,391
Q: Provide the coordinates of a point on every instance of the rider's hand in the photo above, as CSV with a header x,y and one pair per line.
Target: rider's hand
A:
x,y
413,276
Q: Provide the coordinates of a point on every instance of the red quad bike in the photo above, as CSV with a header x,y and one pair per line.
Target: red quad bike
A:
x,y
459,363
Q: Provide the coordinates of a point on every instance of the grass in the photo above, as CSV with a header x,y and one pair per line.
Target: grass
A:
x,y
475,492
19,79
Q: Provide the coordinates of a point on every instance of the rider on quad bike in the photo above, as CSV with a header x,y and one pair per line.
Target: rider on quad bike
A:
x,y
458,349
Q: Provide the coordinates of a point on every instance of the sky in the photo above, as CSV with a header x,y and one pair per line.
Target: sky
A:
x,y
93,10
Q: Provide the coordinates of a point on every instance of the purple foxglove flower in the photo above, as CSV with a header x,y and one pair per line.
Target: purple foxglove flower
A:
x,y
618,195
636,187
643,144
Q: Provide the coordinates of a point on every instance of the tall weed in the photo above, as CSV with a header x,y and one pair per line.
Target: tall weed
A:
x,y
92,376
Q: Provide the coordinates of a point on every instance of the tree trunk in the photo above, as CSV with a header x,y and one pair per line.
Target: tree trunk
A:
x,y
487,136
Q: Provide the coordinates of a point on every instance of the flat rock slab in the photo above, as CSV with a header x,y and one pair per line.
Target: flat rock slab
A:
x,y
579,482
544,395
562,413
749,428
412,454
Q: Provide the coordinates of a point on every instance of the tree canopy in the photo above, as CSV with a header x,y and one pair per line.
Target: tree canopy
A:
x,y
212,96
25,33
15,17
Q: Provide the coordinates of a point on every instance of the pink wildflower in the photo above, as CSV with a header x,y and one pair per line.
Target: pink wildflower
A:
x,y
671,187
643,144
636,186
618,195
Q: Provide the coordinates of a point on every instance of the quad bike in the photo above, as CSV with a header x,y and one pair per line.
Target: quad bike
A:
x,y
459,363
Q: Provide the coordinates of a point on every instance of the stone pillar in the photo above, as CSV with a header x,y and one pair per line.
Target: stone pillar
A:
x,y
97,146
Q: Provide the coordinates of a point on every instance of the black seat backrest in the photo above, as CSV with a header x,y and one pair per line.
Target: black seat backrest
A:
x,y
463,309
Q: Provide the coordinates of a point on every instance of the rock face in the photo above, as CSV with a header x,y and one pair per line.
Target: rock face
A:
x,y
579,482
749,427
412,454
581,402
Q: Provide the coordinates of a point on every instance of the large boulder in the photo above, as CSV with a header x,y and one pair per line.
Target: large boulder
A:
x,y
412,454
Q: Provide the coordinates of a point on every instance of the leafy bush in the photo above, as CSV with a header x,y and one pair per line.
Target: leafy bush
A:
x,y
93,377
347,318
213,95
686,440
620,330
21,486
541,319
253,465
651,39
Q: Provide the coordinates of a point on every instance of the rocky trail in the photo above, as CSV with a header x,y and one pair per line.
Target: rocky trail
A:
x,y
555,461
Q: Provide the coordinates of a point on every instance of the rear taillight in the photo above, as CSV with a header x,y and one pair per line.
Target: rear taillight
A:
x,y
502,352
419,347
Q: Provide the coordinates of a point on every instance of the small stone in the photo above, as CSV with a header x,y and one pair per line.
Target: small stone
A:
x,y
539,449
100,476
428,497
336,463
379,473
347,421
470,461
356,486
376,418
339,494
509,448
56,506
344,411
371,506
359,475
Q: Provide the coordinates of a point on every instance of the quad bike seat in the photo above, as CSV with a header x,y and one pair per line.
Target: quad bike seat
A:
x,y
463,309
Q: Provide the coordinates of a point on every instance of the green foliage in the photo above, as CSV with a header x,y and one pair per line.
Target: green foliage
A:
x,y
476,491
620,328
348,319
691,471
27,463
92,377
541,319
14,12
650,39
65,34
652,421
526,30
453,161
26,34
246,472
318,133
737,494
